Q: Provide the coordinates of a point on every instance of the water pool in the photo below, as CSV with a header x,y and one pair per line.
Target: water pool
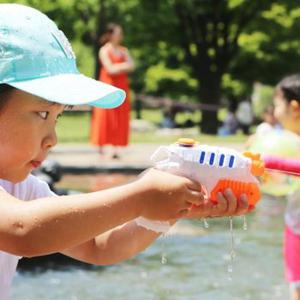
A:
x,y
196,268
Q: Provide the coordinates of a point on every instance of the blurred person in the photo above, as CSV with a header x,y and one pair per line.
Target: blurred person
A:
x,y
168,119
111,127
287,111
244,116
269,123
285,114
230,124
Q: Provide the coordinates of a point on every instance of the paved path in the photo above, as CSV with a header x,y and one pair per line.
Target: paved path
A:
x,y
85,156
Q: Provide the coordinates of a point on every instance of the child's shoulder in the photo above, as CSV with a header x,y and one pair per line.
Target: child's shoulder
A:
x,y
28,189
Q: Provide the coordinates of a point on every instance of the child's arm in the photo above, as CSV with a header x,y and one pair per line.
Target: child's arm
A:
x,y
114,246
128,240
129,61
52,224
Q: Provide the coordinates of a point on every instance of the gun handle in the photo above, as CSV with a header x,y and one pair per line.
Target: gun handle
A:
x,y
238,187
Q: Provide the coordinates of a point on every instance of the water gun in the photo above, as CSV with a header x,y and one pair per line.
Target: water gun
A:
x,y
216,168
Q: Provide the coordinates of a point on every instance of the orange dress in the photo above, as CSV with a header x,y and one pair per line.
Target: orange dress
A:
x,y
111,126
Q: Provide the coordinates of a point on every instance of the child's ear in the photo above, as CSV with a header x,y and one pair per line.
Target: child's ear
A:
x,y
295,104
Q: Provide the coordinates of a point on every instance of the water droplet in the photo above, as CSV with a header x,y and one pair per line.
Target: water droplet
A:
x,y
164,259
19,225
232,252
229,269
206,225
245,225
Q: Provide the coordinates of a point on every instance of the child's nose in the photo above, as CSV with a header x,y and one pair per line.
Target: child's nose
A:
x,y
50,140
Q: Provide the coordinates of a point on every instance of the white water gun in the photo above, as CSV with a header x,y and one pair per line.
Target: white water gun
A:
x,y
215,168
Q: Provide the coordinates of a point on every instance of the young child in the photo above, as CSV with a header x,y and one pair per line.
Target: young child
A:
x,y
269,121
269,124
287,111
38,78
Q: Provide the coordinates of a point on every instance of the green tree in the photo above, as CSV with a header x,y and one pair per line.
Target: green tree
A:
x,y
270,47
210,34
224,45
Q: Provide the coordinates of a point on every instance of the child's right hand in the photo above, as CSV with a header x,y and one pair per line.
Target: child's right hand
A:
x,y
167,196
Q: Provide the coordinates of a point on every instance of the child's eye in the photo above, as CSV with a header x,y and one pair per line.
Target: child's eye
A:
x,y
43,114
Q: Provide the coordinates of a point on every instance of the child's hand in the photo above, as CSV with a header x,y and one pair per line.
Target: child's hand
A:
x,y
167,196
228,205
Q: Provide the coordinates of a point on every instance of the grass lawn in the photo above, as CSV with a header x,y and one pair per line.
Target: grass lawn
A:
x,y
74,127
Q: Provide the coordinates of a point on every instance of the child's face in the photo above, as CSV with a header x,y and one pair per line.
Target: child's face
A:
x,y
270,118
27,132
288,114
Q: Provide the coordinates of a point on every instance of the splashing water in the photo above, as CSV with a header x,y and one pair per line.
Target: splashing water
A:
x,y
229,270
164,258
232,252
206,225
245,225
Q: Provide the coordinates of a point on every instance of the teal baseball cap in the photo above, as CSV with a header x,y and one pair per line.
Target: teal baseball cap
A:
x,y
37,58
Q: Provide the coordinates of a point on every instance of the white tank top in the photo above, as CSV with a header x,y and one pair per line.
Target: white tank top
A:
x,y
29,189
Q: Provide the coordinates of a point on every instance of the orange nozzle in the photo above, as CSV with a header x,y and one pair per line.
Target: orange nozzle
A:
x,y
258,166
186,142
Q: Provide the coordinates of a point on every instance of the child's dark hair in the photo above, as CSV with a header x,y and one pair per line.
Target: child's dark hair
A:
x,y
4,88
109,30
290,87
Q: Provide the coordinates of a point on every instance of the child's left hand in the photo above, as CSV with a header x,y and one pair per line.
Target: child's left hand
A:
x,y
228,205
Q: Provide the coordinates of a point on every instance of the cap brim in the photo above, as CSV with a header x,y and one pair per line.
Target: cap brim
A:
x,y
73,89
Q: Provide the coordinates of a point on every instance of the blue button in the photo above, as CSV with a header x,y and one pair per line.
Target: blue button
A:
x,y
231,161
221,161
202,157
212,158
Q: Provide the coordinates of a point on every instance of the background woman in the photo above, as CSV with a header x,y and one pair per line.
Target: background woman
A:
x,y
111,127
